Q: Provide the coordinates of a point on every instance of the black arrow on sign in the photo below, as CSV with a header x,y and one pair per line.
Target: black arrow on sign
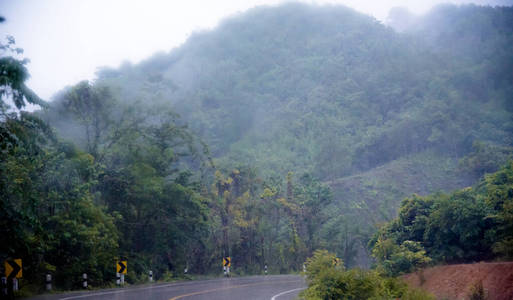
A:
x,y
122,266
15,269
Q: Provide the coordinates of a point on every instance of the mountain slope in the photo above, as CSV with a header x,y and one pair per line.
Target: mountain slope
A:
x,y
326,90
293,87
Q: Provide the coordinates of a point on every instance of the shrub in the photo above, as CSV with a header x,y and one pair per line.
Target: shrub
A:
x,y
395,259
328,280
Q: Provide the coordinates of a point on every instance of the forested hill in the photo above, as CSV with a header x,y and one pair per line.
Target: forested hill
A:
x,y
328,91
334,92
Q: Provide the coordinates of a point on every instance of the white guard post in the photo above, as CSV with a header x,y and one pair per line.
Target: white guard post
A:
x,y
48,280
4,286
15,286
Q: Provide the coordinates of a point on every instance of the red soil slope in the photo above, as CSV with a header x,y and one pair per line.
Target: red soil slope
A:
x,y
456,281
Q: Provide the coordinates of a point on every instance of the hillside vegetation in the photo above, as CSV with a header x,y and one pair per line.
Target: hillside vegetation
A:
x,y
327,91
282,131
465,226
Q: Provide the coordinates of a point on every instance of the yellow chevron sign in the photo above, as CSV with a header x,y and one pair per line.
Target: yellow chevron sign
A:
x,y
121,267
13,268
227,261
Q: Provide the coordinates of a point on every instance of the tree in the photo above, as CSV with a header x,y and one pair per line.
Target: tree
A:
x,y
498,193
93,107
393,259
13,75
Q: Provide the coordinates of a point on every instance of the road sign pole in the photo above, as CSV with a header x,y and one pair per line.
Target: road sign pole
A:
x,y
118,278
48,280
122,279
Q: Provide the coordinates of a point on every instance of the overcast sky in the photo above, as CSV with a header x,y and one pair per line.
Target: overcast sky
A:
x,y
67,40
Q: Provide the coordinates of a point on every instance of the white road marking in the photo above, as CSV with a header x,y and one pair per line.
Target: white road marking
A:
x,y
177,284
286,292
134,289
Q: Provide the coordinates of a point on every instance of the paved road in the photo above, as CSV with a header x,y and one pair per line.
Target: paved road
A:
x,y
275,287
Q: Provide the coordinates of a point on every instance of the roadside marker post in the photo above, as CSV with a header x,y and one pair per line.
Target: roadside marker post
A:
x,y
48,280
4,286
150,276
15,286
227,263
121,270
265,269
84,281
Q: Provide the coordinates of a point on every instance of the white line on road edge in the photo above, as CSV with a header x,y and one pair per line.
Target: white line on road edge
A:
x,y
92,294
117,291
286,292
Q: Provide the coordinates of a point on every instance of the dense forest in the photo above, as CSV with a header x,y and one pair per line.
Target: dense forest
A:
x,y
282,131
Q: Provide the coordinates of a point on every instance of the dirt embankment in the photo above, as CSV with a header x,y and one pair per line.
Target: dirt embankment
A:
x,y
457,281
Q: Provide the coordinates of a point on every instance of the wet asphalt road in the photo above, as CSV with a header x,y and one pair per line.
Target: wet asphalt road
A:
x,y
281,287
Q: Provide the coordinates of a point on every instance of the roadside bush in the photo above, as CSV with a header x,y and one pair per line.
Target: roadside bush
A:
x,y
396,259
328,280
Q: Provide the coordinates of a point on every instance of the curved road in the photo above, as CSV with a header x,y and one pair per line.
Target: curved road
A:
x,y
272,287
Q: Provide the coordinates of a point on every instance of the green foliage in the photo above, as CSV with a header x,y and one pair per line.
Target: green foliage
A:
x,y
329,281
498,192
376,114
463,226
13,75
417,294
264,223
92,107
48,214
69,212
320,261
485,159
331,92
395,259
